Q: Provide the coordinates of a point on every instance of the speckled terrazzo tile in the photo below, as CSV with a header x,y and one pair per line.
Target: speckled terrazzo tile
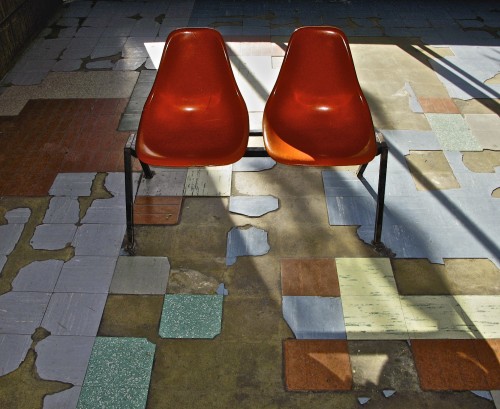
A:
x,y
253,164
437,317
74,314
95,397
253,206
67,399
13,350
53,236
210,181
191,316
64,358
366,276
72,184
486,129
140,275
166,182
99,239
22,312
314,317
40,276
245,241
374,318
86,274
120,363
64,210
483,311
452,132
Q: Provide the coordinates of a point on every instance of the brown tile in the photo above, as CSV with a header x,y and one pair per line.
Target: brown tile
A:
x,y
455,364
488,353
313,277
438,105
157,210
431,170
317,365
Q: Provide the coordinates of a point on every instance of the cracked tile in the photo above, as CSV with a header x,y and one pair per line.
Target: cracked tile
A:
x,y
22,312
62,210
245,241
13,350
53,236
253,206
39,276
99,239
72,184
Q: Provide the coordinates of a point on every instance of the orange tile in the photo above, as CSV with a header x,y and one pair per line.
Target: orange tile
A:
x,y
438,105
317,365
157,210
457,364
310,277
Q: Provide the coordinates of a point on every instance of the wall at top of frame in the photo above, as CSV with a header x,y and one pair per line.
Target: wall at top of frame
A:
x,y
20,21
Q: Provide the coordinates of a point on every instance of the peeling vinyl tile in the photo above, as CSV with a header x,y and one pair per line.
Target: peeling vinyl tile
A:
x,y
67,399
99,239
452,132
208,181
165,182
20,215
366,276
140,275
13,350
74,314
437,317
253,206
65,210
191,316
486,129
115,182
86,274
253,164
413,100
22,312
9,236
246,241
39,276
72,184
374,317
53,236
314,317
64,358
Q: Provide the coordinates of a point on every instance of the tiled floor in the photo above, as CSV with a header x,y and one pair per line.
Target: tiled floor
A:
x,y
256,282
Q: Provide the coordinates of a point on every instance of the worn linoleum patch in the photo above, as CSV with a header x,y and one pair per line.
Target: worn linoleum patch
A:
x,y
453,132
314,317
317,365
165,182
209,181
243,241
118,373
72,185
309,277
191,316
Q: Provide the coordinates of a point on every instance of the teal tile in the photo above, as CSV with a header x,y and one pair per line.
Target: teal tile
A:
x,y
191,316
452,132
95,397
120,362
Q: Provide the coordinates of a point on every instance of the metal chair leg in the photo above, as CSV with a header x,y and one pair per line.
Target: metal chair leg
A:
x,y
361,170
129,195
383,151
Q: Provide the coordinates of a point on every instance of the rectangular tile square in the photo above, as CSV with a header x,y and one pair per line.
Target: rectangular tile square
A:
x,y
165,182
452,132
157,210
99,239
22,312
366,276
40,276
486,129
191,316
438,105
208,181
374,317
483,311
317,365
309,277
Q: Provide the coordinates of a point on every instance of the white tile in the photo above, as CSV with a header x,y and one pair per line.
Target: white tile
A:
x,y
208,181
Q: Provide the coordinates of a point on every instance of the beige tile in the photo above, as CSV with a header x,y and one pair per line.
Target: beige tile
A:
x,y
486,129
431,171
208,181
484,312
366,276
437,317
373,318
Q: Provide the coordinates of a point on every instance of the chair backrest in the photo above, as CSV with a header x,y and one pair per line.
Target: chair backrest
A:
x,y
317,114
195,114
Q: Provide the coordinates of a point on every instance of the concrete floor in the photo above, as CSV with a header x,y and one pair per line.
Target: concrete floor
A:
x,y
420,328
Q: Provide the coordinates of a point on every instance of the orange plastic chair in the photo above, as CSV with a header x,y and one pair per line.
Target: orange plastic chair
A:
x,y
317,115
194,115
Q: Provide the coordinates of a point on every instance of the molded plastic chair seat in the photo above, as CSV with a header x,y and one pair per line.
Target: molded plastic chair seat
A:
x,y
317,114
195,114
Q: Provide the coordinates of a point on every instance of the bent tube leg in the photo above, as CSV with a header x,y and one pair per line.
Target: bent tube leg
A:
x,y
129,196
148,173
361,170
379,217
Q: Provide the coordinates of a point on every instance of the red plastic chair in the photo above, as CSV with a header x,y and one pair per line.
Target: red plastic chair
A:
x,y
317,114
194,115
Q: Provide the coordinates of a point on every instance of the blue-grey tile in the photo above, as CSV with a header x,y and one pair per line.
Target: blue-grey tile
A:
x,y
129,64
246,241
3,261
65,210
53,236
64,358
38,276
140,275
100,65
9,236
312,317
72,184
67,399
349,211
86,274
67,65
253,206
253,164
99,239
22,312
13,350
20,215
74,314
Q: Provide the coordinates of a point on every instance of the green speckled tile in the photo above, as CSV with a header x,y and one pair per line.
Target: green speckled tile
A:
x,y
191,316
452,132
120,362
95,397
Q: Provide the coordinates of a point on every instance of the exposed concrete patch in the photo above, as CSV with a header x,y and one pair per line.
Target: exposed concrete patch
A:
x,y
186,281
